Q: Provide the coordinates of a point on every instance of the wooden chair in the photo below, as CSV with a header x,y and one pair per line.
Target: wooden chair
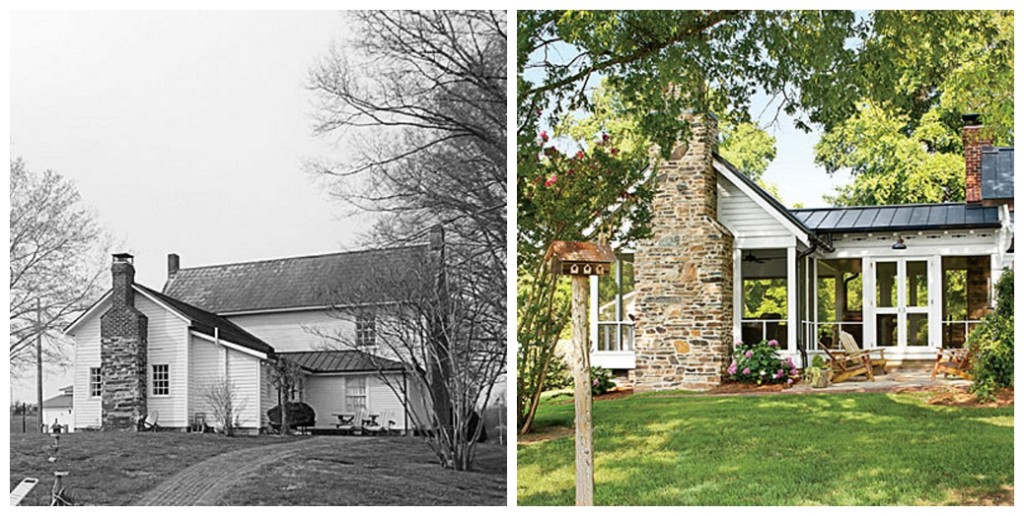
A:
x,y
851,347
954,361
21,491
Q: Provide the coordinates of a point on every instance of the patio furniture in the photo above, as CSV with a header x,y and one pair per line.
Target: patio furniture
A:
x,y
845,364
954,361
148,423
22,489
198,423
851,347
371,425
346,422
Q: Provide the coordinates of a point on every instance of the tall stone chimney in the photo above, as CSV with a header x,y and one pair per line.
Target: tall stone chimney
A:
x,y
123,339
975,139
683,273
173,265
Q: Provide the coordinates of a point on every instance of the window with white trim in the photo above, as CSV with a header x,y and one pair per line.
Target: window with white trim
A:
x,y
366,329
161,380
95,382
355,394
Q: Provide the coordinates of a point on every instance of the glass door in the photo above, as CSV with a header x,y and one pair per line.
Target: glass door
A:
x,y
902,308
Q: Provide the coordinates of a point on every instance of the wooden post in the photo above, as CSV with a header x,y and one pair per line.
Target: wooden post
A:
x,y
584,396
39,362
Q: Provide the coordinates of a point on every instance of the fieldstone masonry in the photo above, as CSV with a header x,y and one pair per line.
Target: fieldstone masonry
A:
x,y
123,339
684,274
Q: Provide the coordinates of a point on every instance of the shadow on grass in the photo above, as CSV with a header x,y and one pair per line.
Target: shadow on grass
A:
x,y
856,449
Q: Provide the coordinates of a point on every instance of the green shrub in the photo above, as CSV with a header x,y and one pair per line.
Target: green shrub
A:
x,y
760,363
991,344
601,380
559,376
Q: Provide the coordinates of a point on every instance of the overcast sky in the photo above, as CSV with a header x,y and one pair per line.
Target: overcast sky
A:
x,y
185,132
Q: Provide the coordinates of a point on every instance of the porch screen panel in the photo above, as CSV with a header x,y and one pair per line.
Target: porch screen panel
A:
x,y
839,297
886,282
966,284
615,312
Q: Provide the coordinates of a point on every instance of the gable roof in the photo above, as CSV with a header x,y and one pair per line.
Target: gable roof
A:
x,y
344,361
205,322
997,173
287,283
903,217
199,320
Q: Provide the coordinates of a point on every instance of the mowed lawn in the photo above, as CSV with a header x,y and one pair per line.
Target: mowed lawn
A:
x,y
834,449
114,468
376,471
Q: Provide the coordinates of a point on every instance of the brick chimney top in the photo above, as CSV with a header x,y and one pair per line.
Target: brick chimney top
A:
x,y
122,271
173,264
975,139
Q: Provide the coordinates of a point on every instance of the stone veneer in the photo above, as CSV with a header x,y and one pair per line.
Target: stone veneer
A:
x,y
123,338
684,274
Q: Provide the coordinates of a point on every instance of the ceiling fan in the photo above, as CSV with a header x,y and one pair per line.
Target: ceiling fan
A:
x,y
749,257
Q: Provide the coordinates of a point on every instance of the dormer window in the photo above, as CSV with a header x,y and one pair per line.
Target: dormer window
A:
x,y
366,330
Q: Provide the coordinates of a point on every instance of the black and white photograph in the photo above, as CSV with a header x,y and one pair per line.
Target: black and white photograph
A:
x,y
258,258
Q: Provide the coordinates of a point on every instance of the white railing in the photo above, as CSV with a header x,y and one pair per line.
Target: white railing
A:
x,y
614,336
780,333
968,326
836,327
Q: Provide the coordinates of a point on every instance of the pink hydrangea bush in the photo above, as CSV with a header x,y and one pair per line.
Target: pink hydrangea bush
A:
x,y
760,364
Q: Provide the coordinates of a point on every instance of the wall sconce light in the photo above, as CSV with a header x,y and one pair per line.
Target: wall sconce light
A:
x,y
900,245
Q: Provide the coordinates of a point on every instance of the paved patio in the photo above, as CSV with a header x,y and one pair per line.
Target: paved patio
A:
x,y
911,379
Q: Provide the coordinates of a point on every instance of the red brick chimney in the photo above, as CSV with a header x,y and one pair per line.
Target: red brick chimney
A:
x,y
975,139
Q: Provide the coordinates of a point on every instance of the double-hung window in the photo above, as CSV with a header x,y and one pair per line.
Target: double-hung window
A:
x,y
161,380
355,394
95,382
366,330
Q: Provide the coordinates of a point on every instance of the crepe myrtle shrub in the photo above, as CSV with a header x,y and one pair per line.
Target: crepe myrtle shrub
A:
x,y
760,364
600,380
991,344
299,414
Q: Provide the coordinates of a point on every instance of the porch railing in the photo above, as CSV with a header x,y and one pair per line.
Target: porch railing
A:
x,y
614,336
829,331
756,330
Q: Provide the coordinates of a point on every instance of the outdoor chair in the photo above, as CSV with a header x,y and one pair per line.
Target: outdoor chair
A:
x,y
846,365
21,491
199,423
346,423
953,361
851,347
148,423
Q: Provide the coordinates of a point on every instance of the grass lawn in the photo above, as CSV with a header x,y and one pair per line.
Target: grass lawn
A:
x,y
385,471
114,468
831,449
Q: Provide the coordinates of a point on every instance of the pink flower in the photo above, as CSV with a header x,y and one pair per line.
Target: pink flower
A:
x,y
746,370
773,343
789,382
579,154
551,181
732,368
780,374
614,151
748,354
605,137
543,136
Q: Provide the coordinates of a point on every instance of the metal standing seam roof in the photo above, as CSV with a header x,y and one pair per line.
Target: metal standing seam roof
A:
x,y
344,361
997,173
909,217
61,401
305,281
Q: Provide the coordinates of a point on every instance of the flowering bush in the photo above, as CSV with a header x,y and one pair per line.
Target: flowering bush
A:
x,y
600,380
760,363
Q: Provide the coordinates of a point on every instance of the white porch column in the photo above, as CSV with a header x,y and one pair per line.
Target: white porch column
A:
x,y
737,294
791,293
593,314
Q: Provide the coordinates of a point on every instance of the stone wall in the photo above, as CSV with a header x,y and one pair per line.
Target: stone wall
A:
x,y
684,275
123,351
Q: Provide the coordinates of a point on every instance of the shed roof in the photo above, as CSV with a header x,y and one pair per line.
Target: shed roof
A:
x,y
905,217
298,282
997,173
344,361
61,401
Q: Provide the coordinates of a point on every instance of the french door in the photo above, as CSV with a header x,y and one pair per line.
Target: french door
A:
x,y
902,294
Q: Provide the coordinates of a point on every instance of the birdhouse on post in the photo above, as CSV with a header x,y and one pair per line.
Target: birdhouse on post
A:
x,y
580,260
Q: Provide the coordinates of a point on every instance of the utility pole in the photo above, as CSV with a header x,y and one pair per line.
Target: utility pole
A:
x,y
39,361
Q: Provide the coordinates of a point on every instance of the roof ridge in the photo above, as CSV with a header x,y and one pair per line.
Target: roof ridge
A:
x,y
321,255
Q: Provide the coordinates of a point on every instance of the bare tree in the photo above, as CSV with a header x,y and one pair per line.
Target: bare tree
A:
x,y
225,404
286,377
440,325
57,261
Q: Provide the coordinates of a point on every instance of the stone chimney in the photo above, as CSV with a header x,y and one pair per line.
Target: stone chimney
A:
x,y
975,139
683,273
123,349
173,265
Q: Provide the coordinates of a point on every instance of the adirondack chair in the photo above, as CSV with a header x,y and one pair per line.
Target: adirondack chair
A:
x,y
148,423
851,347
22,490
954,361
851,361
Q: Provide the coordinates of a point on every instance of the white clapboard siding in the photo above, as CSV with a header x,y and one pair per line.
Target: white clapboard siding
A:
x,y
244,372
88,410
287,331
743,216
207,366
167,334
326,394
384,401
268,398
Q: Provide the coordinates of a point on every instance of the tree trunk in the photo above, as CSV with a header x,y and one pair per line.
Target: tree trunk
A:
x,y
584,396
